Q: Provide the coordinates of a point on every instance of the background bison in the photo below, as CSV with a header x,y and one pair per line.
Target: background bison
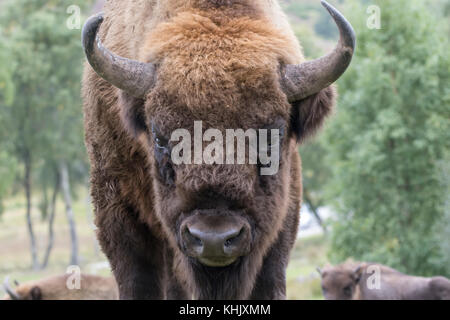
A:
x,y
56,288
371,281
208,231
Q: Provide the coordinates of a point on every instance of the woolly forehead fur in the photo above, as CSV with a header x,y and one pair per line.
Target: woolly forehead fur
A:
x,y
212,58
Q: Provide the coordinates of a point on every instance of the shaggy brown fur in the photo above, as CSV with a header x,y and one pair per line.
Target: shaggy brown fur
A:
x,y
55,288
218,61
351,281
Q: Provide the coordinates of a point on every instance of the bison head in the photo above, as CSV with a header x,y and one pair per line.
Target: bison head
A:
x,y
340,282
230,73
22,292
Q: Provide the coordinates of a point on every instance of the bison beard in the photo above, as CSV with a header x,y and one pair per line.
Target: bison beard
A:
x,y
202,231
220,283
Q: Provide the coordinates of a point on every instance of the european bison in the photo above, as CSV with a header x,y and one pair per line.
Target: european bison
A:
x,y
55,288
371,281
199,230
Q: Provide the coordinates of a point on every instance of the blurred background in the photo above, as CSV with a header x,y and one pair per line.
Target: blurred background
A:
x,y
376,179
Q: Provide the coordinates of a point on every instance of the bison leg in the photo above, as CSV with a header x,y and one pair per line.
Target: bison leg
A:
x,y
271,281
174,289
135,254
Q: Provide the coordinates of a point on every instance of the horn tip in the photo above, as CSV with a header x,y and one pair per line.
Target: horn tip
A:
x,y
12,294
331,9
344,25
326,4
90,29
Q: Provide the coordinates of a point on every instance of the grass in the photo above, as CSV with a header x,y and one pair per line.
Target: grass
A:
x,y
15,257
303,282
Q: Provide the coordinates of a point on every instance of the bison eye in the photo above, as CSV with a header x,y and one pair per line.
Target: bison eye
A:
x,y
162,157
348,291
160,140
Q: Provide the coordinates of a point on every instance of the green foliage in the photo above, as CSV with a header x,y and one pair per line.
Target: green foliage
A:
x,y
325,26
44,120
390,134
316,173
308,41
443,229
7,173
300,9
6,71
7,164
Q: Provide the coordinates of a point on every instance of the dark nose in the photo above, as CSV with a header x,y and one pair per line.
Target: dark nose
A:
x,y
216,242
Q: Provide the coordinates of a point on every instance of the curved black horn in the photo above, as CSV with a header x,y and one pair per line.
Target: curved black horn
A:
x,y
301,81
134,77
10,291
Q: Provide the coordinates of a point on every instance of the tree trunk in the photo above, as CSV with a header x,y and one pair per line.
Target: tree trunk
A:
x,y
51,235
44,202
65,185
314,210
27,185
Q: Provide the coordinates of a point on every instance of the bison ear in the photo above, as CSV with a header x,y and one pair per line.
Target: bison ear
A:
x,y
309,114
36,293
357,273
132,113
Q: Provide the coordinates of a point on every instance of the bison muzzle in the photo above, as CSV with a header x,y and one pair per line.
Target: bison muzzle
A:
x,y
216,240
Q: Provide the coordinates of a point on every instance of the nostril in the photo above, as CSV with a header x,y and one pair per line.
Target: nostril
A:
x,y
195,240
234,238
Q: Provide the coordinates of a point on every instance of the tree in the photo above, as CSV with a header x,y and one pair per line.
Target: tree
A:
x,y
316,174
7,165
443,229
50,173
44,123
390,134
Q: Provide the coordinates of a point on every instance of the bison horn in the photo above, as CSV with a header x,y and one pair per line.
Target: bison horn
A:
x,y
10,291
303,80
319,270
134,77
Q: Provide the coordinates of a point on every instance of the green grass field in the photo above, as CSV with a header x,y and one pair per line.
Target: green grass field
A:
x,y
15,257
